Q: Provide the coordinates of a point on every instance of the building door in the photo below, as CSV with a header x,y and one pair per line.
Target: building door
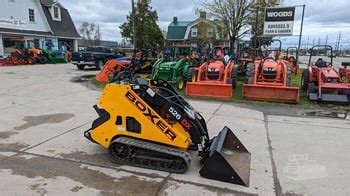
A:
x,y
36,43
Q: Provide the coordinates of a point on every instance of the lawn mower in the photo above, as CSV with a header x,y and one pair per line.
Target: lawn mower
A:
x,y
214,79
269,80
175,72
147,124
323,82
54,57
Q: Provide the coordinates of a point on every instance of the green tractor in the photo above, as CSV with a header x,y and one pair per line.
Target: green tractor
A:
x,y
176,72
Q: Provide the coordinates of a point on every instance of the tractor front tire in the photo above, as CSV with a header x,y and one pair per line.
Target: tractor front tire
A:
x,y
249,74
31,61
305,80
311,88
234,79
43,60
180,83
80,67
191,75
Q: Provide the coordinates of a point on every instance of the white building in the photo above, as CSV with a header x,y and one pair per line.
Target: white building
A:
x,y
36,23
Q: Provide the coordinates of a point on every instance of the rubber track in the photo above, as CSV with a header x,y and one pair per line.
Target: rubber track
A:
x,y
152,148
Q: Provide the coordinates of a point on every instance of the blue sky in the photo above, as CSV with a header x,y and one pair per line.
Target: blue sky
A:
x,y
322,17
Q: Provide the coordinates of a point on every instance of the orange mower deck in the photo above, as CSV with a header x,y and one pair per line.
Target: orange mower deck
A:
x,y
282,94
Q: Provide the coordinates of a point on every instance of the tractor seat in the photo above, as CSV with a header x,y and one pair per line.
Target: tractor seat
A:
x,y
320,63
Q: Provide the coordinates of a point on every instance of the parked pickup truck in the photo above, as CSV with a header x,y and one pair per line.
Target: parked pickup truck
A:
x,y
94,57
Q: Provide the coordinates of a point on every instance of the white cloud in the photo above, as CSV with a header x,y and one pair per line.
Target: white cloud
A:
x,y
322,17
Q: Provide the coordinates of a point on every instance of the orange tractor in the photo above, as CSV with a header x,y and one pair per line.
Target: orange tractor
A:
x,y
269,80
37,55
323,82
113,67
292,59
214,79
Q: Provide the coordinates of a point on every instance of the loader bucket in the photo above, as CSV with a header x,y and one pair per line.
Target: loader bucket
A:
x,y
209,90
228,160
271,93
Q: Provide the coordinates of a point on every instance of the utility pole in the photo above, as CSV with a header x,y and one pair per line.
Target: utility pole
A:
x,y
307,43
301,31
133,23
326,42
337,44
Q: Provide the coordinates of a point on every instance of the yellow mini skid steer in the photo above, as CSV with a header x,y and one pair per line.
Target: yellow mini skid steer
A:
x,y
148,125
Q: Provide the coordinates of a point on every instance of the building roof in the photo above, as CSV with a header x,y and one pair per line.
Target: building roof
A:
x,y
63,28
177,30
25,32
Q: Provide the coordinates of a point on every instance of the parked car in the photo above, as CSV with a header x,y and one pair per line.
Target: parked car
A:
x,y
94,57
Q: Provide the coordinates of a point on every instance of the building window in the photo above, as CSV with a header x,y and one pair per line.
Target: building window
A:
x,y
55,12
210,32
194,32
31,15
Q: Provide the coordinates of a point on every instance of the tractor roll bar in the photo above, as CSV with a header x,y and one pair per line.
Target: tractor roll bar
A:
x,y
320,46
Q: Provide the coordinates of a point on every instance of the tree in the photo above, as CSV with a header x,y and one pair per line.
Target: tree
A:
x,y
148,33
257,23
233,13
90,33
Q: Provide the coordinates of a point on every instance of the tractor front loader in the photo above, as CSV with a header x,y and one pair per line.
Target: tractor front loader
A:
x,y
214,80
149,125
269,80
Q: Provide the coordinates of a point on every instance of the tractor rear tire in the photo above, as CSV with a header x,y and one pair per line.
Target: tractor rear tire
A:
x,y
234,79
191,75
180,83
305,80
80,67
249,74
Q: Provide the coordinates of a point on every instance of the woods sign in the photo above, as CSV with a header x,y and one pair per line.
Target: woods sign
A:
x,y
279,21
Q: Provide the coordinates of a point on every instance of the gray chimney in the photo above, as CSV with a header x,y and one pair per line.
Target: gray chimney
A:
x,y
203,15
175,20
